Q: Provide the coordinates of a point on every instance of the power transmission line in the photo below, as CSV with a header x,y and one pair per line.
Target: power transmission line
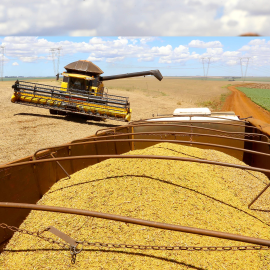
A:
x,y
53,55
209,59
203,67
241,63
205,72
56,53
2,61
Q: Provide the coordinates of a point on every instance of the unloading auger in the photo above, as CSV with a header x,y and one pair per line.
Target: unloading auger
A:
x,y
81,92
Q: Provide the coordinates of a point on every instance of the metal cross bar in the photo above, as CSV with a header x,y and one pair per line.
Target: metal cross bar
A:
x,y
142,222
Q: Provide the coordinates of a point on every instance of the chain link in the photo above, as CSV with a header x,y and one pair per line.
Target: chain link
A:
x,y
181,248
73,254
74,251
37,234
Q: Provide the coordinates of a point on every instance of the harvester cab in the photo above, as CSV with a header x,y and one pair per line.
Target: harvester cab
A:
x,y
83,76
81,92
76,83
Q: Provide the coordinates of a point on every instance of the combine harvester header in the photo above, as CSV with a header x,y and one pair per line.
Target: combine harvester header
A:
x,y
81,92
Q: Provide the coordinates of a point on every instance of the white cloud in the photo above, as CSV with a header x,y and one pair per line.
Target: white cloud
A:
x,y
258,52
245,48
112,50
15,64
181,49
147,39
257,42
214,51
133,17
146,59
28,59
94,59
83,33
114,59
202,44
232,62
120,42
231,53
163,50
260,8
96,40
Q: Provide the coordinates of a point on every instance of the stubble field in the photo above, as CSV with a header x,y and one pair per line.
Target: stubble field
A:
x,y
24,129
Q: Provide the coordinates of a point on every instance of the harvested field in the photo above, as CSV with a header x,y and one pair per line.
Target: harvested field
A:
x,y
189,194
25,129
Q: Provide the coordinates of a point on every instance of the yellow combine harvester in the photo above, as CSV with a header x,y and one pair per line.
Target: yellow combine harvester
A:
x,y
81,92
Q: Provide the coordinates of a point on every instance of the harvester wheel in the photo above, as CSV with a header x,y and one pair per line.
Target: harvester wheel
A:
x,y
53,111
61,113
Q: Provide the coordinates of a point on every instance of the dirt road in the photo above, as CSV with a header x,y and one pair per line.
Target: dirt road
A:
x,y
244,107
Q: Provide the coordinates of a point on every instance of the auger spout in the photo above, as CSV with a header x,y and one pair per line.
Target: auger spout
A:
x,y
155,73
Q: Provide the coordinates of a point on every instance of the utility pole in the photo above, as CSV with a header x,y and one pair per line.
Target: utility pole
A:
x,y
205,71
2,61
56,53
241,67
209,59
203,67
52,50
247,66
241,64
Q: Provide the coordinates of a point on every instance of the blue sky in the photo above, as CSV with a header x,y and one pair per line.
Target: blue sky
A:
x,y
173,56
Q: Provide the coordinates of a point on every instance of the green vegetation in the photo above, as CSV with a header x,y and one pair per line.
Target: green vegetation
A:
x,y
214,105
226,86
163,94
255,79
258,96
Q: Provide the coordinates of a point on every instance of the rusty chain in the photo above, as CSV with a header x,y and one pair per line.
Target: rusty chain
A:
x,y
74,251
181,248
37,234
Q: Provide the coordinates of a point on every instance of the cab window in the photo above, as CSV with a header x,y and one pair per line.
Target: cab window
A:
x,y
77,83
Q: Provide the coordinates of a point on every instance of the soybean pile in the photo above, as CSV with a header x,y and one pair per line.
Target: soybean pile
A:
x,y
176,192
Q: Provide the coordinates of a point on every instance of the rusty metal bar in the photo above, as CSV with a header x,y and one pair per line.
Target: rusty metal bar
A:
x,y
178,141
159,123
178,132
171,133
191,115
259,195
153,123
216,130
172,125
150,140
142,222
246,123
61,166
138,157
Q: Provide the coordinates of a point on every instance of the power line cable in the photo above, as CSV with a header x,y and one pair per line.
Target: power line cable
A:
x,y
55,52
2,61
241,64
